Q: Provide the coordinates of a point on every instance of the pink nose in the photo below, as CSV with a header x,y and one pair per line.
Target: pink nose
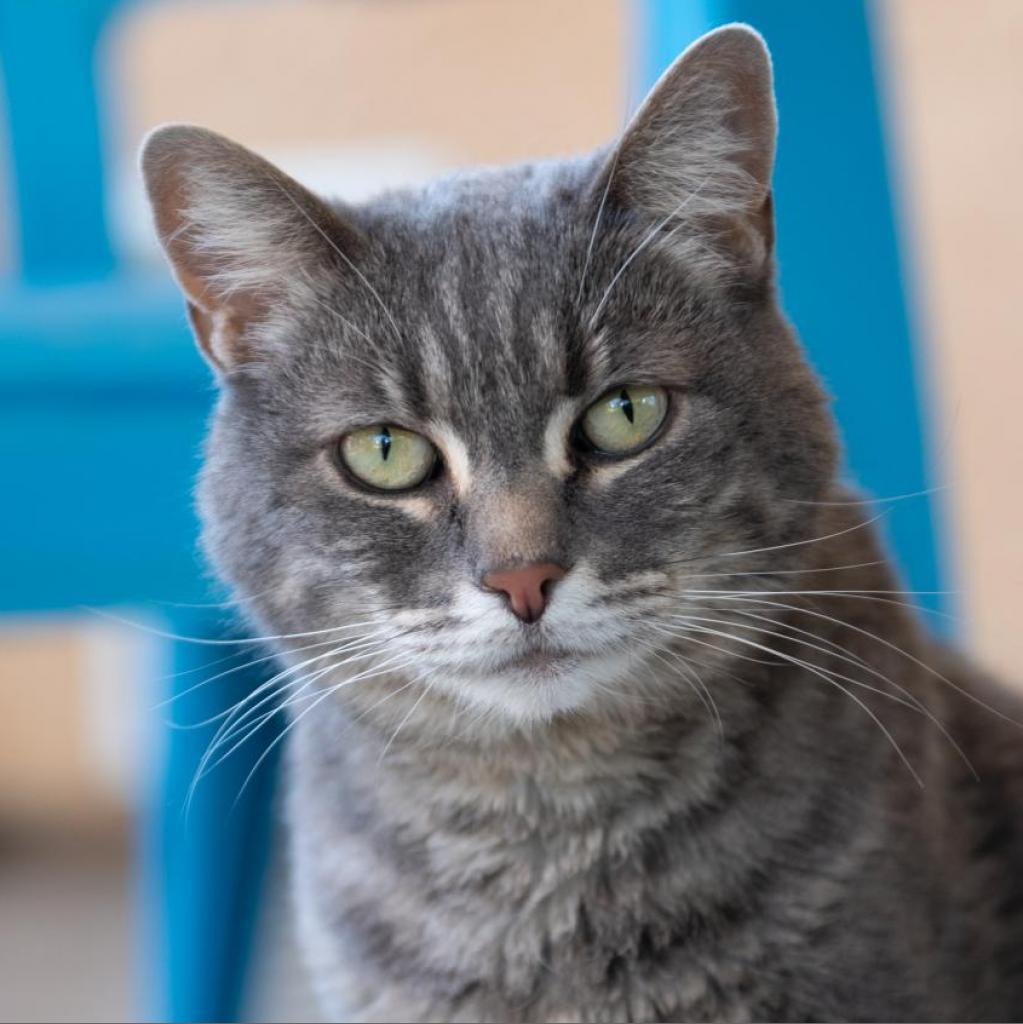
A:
x,y
525,587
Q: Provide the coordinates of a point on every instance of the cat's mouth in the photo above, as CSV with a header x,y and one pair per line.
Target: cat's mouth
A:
x,y
538,661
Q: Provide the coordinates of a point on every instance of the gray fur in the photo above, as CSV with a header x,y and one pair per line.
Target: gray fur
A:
x,y
697,817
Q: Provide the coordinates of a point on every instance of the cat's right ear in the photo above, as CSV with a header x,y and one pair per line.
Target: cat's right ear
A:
x,y
696,159
243,238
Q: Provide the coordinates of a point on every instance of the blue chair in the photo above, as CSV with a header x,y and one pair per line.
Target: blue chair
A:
x,y
842,278
102,405
102,408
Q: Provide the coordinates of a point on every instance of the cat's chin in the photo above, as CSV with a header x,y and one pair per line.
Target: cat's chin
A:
x,y
539,685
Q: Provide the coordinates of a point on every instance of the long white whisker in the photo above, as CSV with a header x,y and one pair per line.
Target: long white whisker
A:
x,y
792,543
701,691
831,645
210,642
232,723
356,644
871,500
230,728
739,573
382,670
852,595
248,729
647,239
909,700
337,249
831,682
765,600
596,225
273,656
408,715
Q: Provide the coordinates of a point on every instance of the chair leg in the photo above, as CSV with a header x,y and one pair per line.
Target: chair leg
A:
x,y
204,847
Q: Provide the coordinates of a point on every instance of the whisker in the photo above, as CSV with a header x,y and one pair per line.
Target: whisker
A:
x,y
789,627
647,239
829,593
789,544
243,731
763,600
826,677
596,226
398,728
870,500
383,670
337,249
219,642
853,595
233,726
778,572
232,723
910,699
273,656
206,768
701,691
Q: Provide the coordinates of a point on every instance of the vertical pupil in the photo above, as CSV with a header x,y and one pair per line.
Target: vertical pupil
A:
x,y
384,439
625,404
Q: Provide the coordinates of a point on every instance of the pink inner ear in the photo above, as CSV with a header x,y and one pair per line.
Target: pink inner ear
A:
x,y
219,335
238,232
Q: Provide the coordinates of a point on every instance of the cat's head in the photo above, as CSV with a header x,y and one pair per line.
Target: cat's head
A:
x,y
484,435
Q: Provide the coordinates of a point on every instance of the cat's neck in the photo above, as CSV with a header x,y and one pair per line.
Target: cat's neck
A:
x,y
572,773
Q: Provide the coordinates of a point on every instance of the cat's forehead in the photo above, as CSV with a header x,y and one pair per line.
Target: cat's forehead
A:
x,y
475,311
484,352
476,277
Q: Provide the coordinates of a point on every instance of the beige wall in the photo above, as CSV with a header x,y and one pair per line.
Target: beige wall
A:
x,y
958,77
485,80
50,776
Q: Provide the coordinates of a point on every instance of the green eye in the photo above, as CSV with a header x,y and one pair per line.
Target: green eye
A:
x,y
388,457
625,419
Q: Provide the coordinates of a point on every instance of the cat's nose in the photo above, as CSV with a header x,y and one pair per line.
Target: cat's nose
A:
x,y
527,587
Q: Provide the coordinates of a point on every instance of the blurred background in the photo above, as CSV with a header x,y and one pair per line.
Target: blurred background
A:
x,y
900,224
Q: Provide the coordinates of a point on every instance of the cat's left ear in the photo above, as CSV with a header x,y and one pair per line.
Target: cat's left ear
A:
x,y
244,239
698,155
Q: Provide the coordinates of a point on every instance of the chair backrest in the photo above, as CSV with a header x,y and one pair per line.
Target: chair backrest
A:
x,y
102,399
842,273
47,53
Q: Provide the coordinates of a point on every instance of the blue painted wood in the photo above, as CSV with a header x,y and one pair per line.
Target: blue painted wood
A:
x,y
841,271
103,403
49,74
102,408
205,857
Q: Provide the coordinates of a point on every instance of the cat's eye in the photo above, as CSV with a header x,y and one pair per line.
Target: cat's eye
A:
x,y
387,457
625,419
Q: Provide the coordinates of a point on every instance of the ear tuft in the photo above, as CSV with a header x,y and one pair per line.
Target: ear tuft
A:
x,y
242,237
699,153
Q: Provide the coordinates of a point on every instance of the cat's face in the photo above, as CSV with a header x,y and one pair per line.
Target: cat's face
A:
x,y
486,435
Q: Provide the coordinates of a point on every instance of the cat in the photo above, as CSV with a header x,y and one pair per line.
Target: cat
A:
x,y
604,701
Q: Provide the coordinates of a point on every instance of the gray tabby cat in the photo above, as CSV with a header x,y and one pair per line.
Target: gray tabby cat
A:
x,y
604,702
